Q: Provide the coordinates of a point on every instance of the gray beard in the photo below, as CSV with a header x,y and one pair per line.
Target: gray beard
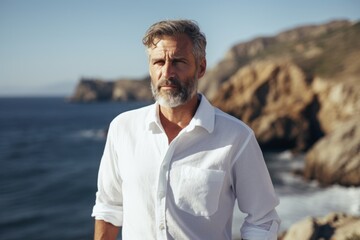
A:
x,y
176,97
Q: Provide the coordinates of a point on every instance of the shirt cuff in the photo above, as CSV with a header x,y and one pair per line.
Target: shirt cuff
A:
x,y
253,232
108,213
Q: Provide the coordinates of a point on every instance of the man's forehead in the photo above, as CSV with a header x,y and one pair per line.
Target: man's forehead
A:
x,y
179,42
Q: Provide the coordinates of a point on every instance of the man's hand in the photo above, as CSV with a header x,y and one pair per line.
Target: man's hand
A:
x,y
105,231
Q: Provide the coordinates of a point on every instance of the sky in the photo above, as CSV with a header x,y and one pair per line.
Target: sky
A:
x,y
47,46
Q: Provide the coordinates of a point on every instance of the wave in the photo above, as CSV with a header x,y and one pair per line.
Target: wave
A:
x,y
92,134
336,198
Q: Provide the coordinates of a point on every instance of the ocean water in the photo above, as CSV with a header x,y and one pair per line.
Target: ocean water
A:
x,y
49,157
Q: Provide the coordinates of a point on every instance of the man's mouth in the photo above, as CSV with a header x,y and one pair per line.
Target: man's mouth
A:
x,y
168,85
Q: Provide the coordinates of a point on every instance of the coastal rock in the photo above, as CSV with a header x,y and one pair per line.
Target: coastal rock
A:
x,y
304,45
237,57
336,157
275,99
132,90
334,226
91,90
296,108
301,230
339,101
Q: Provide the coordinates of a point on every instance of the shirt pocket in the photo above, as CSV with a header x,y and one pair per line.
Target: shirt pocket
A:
x,y
198,190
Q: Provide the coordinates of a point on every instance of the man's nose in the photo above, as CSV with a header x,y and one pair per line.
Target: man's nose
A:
x,y
168,70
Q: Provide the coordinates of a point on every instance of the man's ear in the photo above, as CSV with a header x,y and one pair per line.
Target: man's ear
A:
x,y
202,68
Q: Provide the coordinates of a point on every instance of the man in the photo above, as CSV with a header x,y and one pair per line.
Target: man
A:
x,y
175,169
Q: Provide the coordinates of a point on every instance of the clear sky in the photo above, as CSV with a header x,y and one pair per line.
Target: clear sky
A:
x,y
46,46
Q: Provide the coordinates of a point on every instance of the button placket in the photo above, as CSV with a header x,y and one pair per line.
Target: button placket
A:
x,y
162,189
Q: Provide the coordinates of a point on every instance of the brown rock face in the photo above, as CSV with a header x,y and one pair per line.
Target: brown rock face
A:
x,y
340,101
336,157
303,230
334,226
307,46
274,99
295,87
90,90
132,90
237,57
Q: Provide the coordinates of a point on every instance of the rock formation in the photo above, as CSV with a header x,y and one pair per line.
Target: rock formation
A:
x,y
334,226
296,87
274,99
89,90
336,157
132,90
340,101
304,45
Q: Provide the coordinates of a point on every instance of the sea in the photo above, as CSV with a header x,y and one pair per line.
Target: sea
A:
x,y
50,151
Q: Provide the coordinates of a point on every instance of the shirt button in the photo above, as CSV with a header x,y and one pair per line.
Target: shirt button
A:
x,y
161,226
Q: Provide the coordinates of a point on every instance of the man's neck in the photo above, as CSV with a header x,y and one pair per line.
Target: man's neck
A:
x,y
175,119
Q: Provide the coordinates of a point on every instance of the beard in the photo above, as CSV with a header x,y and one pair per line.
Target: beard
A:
x,y
179,95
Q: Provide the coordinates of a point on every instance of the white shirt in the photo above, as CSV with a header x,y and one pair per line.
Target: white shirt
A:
x,y
186,189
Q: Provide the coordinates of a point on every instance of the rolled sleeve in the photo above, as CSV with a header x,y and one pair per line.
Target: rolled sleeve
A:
x,y
267,231
109,204
108,213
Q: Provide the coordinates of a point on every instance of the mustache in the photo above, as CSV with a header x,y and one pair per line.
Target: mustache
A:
x,y
167,82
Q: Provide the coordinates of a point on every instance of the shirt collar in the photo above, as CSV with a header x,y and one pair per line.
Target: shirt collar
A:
x,y
152,119
204,116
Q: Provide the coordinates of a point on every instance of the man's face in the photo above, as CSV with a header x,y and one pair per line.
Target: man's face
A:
x,y
173,70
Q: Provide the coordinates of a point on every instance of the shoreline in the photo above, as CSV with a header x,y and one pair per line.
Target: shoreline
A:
x,y
300,199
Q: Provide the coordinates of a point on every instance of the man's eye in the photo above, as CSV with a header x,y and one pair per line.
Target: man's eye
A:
x,y
180,61
159,62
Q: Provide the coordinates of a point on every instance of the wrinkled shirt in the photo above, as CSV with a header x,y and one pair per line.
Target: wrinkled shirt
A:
x,y
186,189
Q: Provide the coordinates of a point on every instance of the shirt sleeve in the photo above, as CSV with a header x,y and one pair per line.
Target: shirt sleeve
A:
x,y
109,205
255,193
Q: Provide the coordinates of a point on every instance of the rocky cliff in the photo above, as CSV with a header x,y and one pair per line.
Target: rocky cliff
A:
x,y
299,88
275,100
307,46
90,90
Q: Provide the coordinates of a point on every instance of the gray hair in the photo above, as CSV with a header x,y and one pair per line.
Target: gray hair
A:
x,y
175,27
